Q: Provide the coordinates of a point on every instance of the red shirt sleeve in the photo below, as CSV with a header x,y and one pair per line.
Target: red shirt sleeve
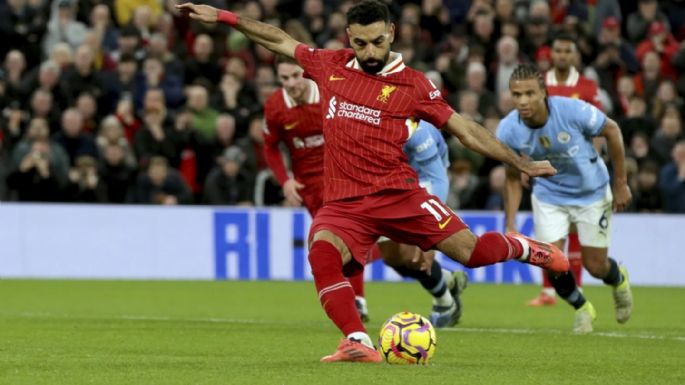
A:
x,y
312,60
272,138
430,105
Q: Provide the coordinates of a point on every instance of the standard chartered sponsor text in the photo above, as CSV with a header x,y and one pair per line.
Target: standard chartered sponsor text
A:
x,y
363,113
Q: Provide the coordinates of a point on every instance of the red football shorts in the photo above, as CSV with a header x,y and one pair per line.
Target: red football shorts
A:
x,y
406,216
312,197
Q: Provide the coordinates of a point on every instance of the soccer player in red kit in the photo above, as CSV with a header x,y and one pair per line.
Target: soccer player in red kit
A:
x,y
293,117
563,79
371,99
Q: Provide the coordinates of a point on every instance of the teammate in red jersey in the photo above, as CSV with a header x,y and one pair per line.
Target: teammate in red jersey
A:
x,y
370,100
294,118
563,79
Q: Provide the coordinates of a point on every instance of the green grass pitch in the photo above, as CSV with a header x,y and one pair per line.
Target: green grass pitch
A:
x,y
171,332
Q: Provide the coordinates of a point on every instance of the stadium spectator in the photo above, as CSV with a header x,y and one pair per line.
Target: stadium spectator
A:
x,y
253,145
647,196
125,114
154,76
615,54
641,150
202,63
228,183
112,132
600,11
160,184
672,180
39,166
648,80
13,123
63,26
22,26
129,42
101,22
507,60
122,85
203,116
158,47
668,133
663,43
87,106
124,10
639,21
85,185
14,68
157,136
666,98
116,173
84,78
72,138
43,106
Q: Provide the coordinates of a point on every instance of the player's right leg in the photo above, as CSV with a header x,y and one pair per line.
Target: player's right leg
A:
x,y
422,219
493,247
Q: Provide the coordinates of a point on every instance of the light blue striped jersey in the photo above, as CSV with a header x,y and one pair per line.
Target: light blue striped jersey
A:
x,y
566,141
427,153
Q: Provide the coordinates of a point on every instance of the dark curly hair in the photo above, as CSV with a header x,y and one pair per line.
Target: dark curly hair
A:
x,y
368,12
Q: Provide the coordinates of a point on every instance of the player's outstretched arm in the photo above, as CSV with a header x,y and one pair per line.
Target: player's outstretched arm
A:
x,y
272,38
622,194
479,139
512,197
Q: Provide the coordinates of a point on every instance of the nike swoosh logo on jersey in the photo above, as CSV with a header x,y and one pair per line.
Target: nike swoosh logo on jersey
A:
x,y
333,78
290,126
443,224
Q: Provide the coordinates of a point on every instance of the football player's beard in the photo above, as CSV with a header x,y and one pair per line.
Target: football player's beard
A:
x,y
376,65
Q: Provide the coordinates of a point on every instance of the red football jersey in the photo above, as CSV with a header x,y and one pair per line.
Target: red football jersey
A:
x,y
300,127
367,120
576,86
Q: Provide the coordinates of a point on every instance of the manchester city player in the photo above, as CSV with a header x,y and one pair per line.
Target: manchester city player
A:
x,y
560,130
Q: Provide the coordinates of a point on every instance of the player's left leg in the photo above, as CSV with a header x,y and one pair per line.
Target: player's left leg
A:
x,y
594,230
443,286
601,266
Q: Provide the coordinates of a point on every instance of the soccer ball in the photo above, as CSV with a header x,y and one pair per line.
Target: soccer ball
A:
x,y
407,338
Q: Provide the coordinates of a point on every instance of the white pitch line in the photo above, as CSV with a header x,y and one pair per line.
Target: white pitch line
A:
x,y
450,330
554,331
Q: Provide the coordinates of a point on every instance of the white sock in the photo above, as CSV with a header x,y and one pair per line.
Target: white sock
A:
x,y
446,298
526,248
362,302
361,337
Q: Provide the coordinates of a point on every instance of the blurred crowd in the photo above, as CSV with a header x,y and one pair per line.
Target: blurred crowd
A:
x,y
125,101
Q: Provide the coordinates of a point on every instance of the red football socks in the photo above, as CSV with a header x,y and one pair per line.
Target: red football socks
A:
x,y
493,247
335,292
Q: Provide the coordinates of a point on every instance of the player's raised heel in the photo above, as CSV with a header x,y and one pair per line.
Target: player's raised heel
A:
x,y
623,298
584,317
544,255
350,350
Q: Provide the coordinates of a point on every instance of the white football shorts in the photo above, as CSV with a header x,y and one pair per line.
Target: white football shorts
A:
x,y
552,222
